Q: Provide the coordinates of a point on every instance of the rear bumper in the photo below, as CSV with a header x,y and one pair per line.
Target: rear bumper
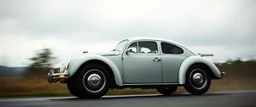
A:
x,y
54,77
223,74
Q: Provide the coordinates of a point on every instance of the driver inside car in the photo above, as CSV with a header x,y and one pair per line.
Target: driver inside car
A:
x,y
152,49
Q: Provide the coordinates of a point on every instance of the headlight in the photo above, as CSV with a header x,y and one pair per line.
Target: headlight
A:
x,y
67,65
61,67
64,66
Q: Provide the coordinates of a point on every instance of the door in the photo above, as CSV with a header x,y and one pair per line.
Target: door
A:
x,y
142,63
172,57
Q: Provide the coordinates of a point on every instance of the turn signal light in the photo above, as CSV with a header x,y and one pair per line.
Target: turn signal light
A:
x,y
61,76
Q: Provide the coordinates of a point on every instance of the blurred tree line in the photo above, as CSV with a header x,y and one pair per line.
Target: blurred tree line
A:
x,y
238,68
41,63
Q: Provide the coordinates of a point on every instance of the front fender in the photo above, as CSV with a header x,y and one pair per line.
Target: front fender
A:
x,y
77,61
192,60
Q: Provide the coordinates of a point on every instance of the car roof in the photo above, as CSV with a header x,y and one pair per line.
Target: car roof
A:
x,y
154,38
158,39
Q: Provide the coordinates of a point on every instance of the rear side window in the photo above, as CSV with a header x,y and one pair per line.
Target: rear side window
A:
x,y
170,49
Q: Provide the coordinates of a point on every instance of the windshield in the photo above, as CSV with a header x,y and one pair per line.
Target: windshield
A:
x,y
121,45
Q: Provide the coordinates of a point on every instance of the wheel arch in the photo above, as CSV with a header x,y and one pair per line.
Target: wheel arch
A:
x,y
77,63
197,60
106,66
211,74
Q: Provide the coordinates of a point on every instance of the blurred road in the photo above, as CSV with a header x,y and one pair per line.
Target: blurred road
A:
x,y
243,99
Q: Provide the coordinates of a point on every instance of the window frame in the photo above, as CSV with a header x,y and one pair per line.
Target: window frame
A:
x,y
137,41
127,42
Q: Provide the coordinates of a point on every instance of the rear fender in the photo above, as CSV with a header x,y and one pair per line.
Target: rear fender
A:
x,y
193,60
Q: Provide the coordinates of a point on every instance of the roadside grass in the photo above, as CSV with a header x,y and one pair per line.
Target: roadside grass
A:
x,y
22,87
30,87
236,83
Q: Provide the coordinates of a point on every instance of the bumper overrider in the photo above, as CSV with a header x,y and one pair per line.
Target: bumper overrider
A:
x,y
223,74
60,75
54,77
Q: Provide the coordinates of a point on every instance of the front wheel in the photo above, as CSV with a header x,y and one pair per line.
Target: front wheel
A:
x,y
167,90
92,81
197,80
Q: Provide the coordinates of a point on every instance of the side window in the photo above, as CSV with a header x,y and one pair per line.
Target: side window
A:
x,y
170,49
147,47
133,48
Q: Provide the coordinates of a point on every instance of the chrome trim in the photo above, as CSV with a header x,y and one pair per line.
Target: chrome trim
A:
x,y
54,77
223,74
154,84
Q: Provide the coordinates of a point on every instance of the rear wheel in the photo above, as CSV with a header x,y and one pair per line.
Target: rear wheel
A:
x,y
197,80
92,81
167,90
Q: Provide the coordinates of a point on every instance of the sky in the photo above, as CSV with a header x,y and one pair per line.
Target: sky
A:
x,y
225,28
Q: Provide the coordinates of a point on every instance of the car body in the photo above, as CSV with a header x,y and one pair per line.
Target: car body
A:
x,y
141,62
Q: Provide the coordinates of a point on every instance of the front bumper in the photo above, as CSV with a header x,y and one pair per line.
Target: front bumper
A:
x,y
54,77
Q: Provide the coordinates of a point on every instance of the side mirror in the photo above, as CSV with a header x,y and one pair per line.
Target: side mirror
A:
x,y
129,52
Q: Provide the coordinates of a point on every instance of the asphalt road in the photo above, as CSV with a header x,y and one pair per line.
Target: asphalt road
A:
x,y
241,99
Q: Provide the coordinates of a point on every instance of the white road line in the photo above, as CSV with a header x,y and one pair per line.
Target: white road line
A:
x,y
52,98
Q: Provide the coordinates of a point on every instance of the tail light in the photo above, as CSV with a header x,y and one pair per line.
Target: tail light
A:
x,y
215,63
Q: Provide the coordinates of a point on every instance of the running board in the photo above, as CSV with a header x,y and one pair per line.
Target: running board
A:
x,y
143,84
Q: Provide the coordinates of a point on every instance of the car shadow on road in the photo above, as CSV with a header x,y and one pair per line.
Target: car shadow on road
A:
x,y
117,97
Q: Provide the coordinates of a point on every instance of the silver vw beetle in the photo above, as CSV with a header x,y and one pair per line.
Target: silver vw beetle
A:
x,y
138,63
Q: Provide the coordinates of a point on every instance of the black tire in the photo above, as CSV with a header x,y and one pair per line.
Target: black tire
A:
x,y
167,90
92,81
197,80
71,84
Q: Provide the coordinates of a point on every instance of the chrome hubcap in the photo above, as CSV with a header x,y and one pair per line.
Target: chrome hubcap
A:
x,y
198,79
94,80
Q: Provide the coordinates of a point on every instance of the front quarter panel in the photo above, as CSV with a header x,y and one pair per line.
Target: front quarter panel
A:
x,y
77,61
196,59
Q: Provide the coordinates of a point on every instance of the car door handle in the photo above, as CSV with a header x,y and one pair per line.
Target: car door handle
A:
x,y
156,59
